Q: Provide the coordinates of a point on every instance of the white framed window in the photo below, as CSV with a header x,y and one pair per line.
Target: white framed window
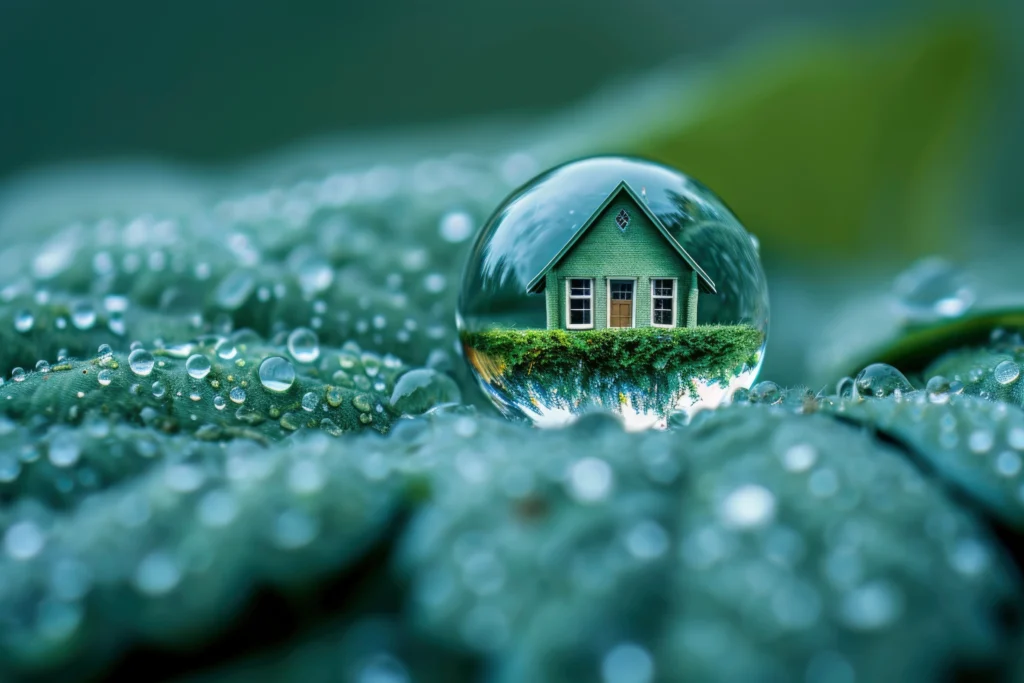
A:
x,y
663,302
579,303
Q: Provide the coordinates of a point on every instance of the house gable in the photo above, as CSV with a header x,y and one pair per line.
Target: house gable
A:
x,y
621,198
606,252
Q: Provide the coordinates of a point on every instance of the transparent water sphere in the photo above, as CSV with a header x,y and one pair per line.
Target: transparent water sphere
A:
x,y
612,284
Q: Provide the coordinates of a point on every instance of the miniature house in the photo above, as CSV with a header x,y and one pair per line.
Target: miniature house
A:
x,y
621,269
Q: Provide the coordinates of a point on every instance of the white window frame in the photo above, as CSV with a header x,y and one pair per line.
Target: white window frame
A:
x,y
568,302
608,302
675,301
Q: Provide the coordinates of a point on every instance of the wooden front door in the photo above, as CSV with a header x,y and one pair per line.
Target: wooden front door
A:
x,y
621,304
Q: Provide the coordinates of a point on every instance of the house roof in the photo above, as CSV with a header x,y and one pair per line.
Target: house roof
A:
x,y
537,283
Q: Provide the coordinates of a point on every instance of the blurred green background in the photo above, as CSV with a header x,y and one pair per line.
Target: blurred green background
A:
x,y
851,136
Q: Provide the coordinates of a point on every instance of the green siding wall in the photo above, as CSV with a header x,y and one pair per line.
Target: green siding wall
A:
x,y
605,252
552,299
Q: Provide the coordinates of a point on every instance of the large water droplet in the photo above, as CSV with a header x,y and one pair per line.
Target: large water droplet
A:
x,y
197,366
141,362
524,312
277,374
417,391
310,401
881,380
105,377
1006,372
932,289
303,345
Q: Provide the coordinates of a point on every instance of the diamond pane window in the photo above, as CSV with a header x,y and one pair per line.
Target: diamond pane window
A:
x,y
622,219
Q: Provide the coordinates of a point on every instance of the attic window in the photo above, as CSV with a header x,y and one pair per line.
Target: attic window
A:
x,y
622,219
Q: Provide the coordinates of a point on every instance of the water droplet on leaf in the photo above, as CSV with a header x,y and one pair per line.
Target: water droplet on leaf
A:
x,y
881,380
197,366
277,374
550,342
141,362
1006,372
303,345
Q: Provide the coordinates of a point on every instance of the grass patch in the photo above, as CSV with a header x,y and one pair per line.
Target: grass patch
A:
x,y
648,365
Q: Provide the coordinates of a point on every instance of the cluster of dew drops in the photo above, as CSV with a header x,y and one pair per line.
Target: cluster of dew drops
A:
x,y
478,181
358,370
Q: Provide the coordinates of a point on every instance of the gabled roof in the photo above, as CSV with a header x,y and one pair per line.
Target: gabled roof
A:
x,y
537,283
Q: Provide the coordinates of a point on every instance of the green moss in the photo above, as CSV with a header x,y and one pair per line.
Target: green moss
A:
x,y
648,366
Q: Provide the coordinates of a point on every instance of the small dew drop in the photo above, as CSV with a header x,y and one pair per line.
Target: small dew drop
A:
x,y
747,507
872,606
293,529
23,320
276,374
1008,464
303,345
105,377
197,366
590,480
310,401
1006,372
456,226
933,289
435,283
217,508
158,389
382,668
157,574
218,402
881,380
18,374
64,450
938,389
980,441
225,350
83,315
141,362
627,663
237,395
647,540
23,540
799,457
